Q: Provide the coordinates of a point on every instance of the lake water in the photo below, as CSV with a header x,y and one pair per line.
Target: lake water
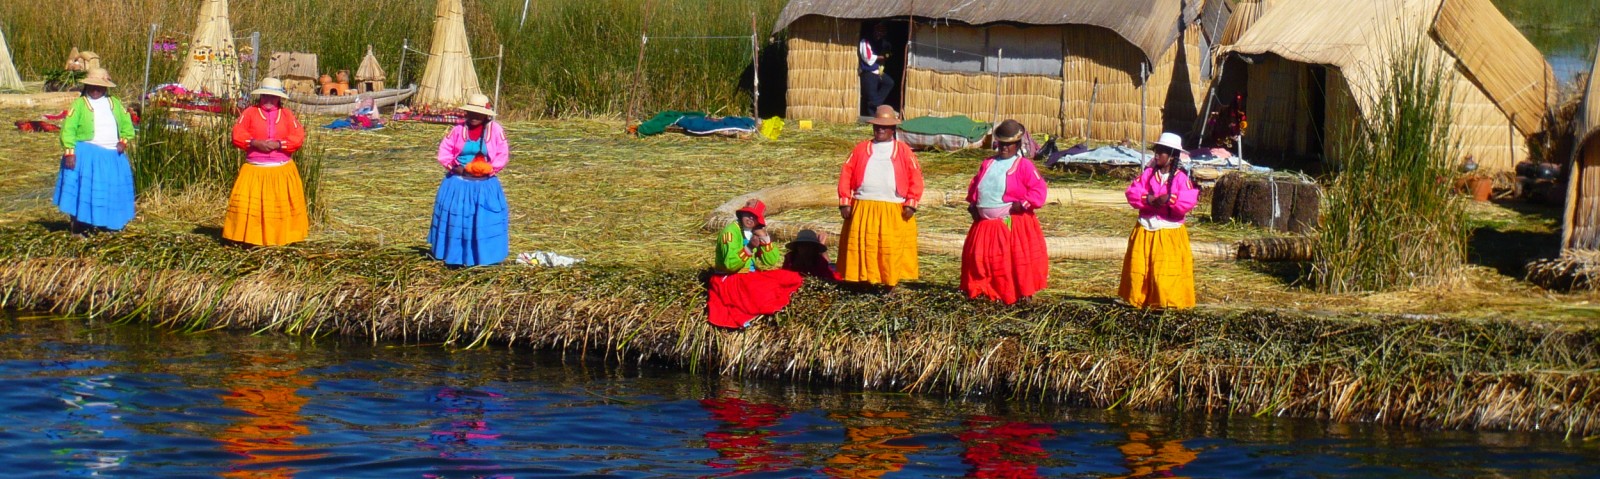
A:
x,y
85,398
1565,30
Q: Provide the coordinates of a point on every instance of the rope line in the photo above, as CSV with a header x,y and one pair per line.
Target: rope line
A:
x,y
426,54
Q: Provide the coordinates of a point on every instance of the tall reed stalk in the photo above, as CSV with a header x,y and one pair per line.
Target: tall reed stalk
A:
x,y
1391,220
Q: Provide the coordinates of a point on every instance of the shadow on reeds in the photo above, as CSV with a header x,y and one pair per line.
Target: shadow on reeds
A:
x,y
212,232
1508,252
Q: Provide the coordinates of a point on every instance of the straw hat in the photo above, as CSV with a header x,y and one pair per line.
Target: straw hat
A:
x,y
478,103
1171,140
272,87
885,116
1009,131
98,77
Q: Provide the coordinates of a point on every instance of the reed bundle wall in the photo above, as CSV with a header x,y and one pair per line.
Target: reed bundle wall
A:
x,y
823,83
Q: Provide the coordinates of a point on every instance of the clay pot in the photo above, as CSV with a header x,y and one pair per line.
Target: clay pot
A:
x,y
1481,188
324,79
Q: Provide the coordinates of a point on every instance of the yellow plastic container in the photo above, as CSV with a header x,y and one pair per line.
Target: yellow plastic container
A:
x,y
805,124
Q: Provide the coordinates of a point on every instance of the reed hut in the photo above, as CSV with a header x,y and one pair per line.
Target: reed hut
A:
x,y
369,76
9,79
1580,226
1315,67
297,70
1072,67
212,64
449,77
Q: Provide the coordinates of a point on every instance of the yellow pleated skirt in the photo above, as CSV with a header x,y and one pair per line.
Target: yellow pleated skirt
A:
x,y
878,245
267,207
1158,270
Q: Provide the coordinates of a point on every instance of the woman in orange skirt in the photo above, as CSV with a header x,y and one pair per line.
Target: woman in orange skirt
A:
x,y
268,204
1004,256
1158,271
880,188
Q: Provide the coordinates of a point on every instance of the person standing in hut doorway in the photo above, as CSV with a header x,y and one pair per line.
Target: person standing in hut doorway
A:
x,y
872,56
95,187
880,187
471,221
1004,256
1158,269
268,203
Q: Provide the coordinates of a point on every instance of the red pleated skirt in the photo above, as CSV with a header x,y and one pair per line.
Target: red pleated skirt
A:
x,y
1004,262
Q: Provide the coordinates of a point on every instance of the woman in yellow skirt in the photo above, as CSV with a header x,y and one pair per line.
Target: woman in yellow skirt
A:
x,y
880,187
1158,271
268,204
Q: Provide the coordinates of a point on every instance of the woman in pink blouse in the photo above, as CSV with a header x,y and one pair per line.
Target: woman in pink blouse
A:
x,y
1158,270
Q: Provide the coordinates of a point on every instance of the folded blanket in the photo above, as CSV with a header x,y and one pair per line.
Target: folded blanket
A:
x,y
701,125
658,124
958,125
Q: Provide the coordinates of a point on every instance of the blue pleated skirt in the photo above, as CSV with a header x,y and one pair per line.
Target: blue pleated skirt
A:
x,y
99,191
470,222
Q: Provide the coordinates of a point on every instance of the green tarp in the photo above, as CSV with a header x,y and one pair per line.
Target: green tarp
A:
x,y
958,125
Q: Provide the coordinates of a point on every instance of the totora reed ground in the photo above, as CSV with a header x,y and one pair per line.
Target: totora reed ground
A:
x,y
1485,351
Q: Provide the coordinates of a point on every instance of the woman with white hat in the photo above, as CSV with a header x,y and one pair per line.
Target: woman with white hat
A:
x,y
470,215
268,204
1004,256
1158,270
95,187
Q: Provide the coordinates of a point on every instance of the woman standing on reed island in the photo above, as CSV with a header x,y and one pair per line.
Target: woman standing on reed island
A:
x,y
95,187
1158,271
746,281
1004,256
879,190
268,204
470,215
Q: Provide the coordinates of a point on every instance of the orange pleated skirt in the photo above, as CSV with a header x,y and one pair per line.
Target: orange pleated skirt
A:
x,y
877,245
1158,270
267,207
1004,259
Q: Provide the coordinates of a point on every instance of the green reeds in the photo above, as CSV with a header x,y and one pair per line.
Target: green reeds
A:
x,y
570,57
178,150
1391,221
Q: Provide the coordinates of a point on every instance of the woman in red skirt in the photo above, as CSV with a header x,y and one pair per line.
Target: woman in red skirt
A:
x,y
1004,257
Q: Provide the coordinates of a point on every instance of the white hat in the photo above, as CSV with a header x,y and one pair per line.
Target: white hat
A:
x,y
98,77
272,87
478,103
1171,140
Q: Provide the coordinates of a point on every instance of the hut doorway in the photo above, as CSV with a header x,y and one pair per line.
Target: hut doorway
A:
x,y
893,43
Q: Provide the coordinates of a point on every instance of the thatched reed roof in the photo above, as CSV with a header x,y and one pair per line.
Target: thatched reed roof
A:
x,y
1245,14
369,70
1580,225
449,78
1151,25
9,79
285,65
1358,36
211,64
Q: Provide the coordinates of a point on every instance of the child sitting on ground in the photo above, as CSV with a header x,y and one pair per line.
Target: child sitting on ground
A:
x,y
808,255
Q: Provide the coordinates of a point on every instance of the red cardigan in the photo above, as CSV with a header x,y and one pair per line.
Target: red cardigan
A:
x,y
907,173
253,126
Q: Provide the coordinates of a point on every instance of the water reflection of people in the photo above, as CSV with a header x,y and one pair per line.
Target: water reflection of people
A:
x,y
1148,456
998,449
94,409
743,439
266,390
872,450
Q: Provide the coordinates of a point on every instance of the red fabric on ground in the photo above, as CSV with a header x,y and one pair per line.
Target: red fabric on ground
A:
x,y
735,299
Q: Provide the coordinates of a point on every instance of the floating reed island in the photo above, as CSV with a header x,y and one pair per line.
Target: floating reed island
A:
x,y
1487,351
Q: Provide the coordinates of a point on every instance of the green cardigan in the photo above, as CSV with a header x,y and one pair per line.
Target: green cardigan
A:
x,y
732,257
79,125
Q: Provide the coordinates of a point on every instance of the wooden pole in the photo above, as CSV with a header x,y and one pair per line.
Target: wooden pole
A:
x,y
148,46
638,66
999,82
1144,94
500,66
755,69
400,74
905,59
255,63
524,19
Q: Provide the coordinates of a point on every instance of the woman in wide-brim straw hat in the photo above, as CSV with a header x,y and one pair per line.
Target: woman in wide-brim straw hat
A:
x,y
470,216
1004,257
1158,270
95,187
268,204
880,189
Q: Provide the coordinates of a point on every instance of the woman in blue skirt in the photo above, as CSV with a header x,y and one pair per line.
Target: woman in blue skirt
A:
x,y
469,214
95,187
